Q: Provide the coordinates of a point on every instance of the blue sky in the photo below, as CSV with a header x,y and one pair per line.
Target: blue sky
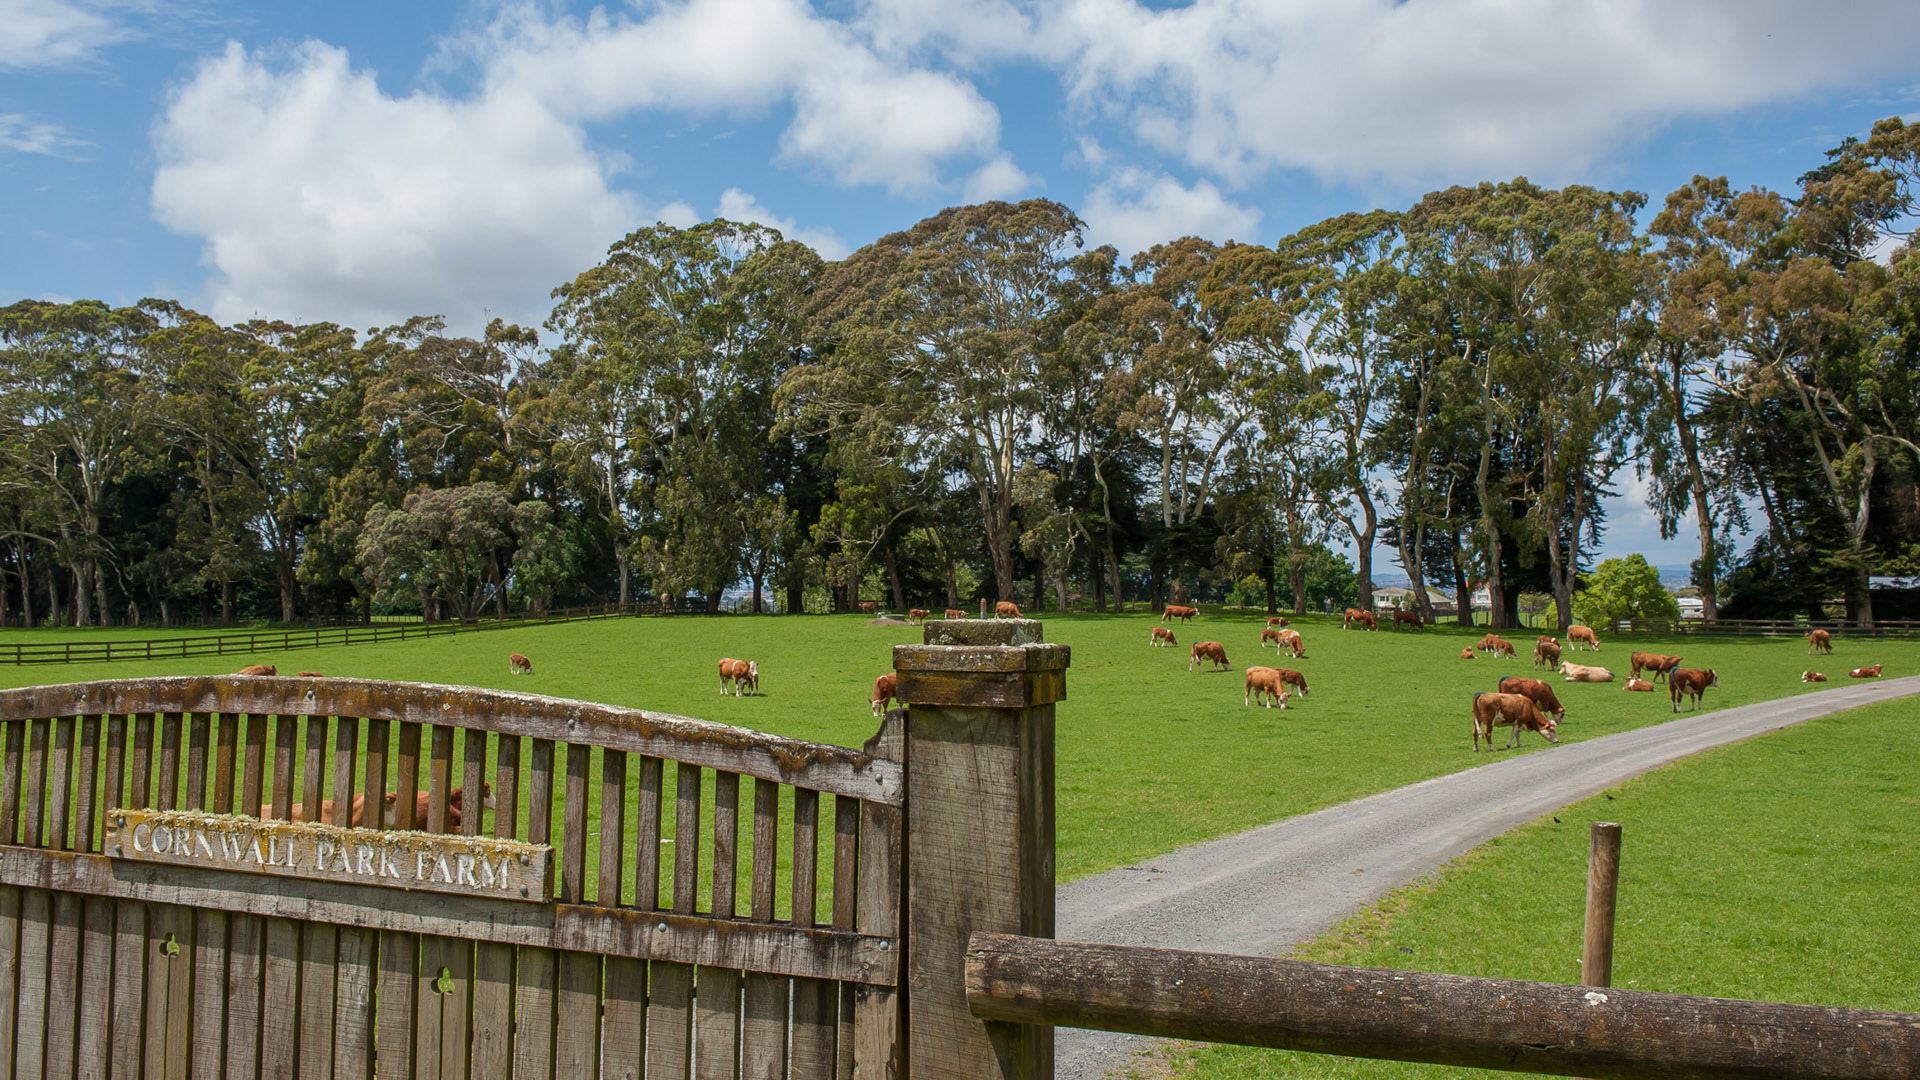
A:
x,y
363,162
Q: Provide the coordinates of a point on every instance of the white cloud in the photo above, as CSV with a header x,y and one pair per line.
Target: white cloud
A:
x,y
53,33
737,205
25,136
1135,210
997,179
321,197
1365,90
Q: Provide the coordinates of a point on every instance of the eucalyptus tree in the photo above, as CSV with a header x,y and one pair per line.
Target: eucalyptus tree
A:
x,y
447,403
935,339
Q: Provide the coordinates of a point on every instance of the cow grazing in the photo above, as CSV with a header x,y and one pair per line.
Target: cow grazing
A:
x,y
1264,683
869,607
1583,673
1409,619
1516,711
258,669
1294,679
1485,644
1684,681
1546,639
1866,672
311,675
1536,691
357,818
1546,654
1276,621
1641,685
918,615
1006,609
1178,611
1364,618
1211,651
740,674
1812,676
1653,662
1270,634
1466,654
518,665
1161,636
956,613
1501,647
1582,635
1290,640
1819,641
883,692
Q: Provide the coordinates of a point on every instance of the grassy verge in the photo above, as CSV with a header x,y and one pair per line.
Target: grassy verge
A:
x,y
1151,756
1780,869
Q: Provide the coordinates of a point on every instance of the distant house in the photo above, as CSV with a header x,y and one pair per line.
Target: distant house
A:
x,y
1393,596
1691,607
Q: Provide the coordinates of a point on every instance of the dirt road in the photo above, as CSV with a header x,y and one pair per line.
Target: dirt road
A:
x,y
1267,889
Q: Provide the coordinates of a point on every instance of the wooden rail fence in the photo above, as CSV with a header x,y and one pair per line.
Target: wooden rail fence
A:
x,y
1898,628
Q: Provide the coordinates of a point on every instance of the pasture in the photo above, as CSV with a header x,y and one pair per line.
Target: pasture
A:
x,y
1151,756
1780,868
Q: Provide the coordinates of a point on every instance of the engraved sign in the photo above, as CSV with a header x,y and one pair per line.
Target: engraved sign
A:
x,y
435,862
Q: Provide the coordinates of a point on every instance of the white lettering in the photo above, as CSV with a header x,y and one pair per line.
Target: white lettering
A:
x,y
321,850
162,841
420,864
254,853
387,866
229,846
487,876
200,838
363,853
138,844
183,841
440,871
464,871
341,864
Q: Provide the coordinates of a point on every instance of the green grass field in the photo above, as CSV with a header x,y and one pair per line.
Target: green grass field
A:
x,y
1151,756
1779,869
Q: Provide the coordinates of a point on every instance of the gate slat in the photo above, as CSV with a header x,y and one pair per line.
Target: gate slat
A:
x,y
226,745
763,1023
253,766
245,976
346,752
130,954
815,1001
36,783
63,985
353,1005
284,738
170,990
142,794
439,766
534,981
313,769
670,1011
646,837
209,992
113,783
876,1028
60,783
319,954
30,1024
576,1040
86,783
9,965
406,777
624,1032
506,787
168,780
374,785
473,774
10,782
717,1013
492,1010
846,889
96,987
198,737
393,1056
280,996
443,1011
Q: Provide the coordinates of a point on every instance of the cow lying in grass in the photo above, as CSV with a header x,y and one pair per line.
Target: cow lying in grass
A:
x,y
1641,685
1210,651
258,669
1583,673
1516,711
1466,654
739,674
357,818
1812,676
1264,683
1866,672
1684,681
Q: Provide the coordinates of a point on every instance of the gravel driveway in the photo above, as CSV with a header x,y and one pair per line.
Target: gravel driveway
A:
x,y
1262,891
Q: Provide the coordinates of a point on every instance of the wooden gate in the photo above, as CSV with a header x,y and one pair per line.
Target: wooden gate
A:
x,y
699,927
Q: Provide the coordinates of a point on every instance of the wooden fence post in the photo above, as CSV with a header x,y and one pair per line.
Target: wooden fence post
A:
x,y
979,764
1603,885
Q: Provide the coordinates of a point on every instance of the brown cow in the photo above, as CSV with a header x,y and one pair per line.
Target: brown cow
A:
x,y
1410,618
1546,653
883,694
1264,683
1466,654
1178,611
1162,636
1485,644
1538,692
1006,609
1546,639
258,669
1812,676
1503,647
1684,681
1290,640
1509,710
1276,621
1639,684
357,819
918,615
1653,662
740,673
1294,679
518,665
1364,618
1582,635
1866,672
311,675
1211,651
456,800
1819,641
869,607
956,613
1270,634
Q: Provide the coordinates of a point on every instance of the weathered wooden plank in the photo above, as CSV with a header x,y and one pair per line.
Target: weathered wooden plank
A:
x,y
506,788
354,972
846,890
280,999
253,766
374,786
613,827
493,1010
177,943
199,738
646,836
9,972
623,1031
834,769
141,784
806,855
246,941
60,783
33,814
209,1016
63,985
284,737
540,793
319,954
576,1038
878,1053
670,1020
473,745
716,1024
533,1014
131,953
439,777
766,839
86,793
1458,1020
346,754
166,778
763,1027
686,838
93,1031
226,750
113,784
726,843
573,827
313,769
451,962
399,954
816,1007
30,1017
406,777
10,774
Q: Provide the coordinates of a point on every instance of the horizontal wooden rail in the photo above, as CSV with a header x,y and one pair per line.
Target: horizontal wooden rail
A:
x,y
1764,627
836,770
783,949
1441,1019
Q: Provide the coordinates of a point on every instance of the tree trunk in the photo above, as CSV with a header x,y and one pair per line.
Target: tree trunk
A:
x,y
26,587
1039,586
82,603
755,579
713,601
1113,568
100,594
226,603
893,578
1155,603
1178,593
953,582
997,515
1096,578
1266,577
1860,601
1462,588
